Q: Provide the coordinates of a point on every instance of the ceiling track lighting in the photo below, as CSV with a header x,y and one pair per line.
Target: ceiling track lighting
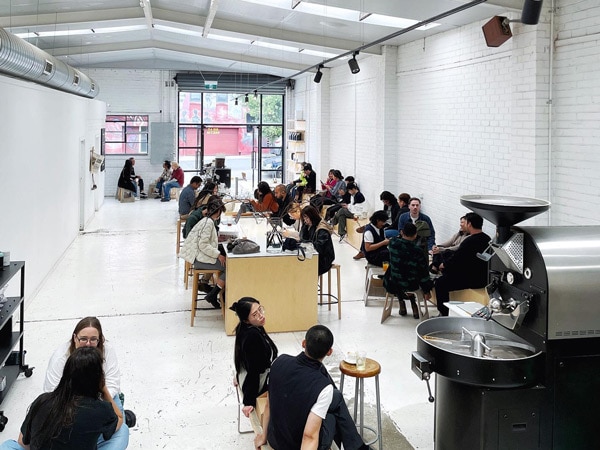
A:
x,y
246,98
255,93
236,101
319,74
353,63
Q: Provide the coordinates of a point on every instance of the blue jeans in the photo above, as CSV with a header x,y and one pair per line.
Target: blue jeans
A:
x,y
118,441
167,188
390,233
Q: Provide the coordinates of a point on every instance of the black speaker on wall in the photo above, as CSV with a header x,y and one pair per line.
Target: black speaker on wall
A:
x,y
531,12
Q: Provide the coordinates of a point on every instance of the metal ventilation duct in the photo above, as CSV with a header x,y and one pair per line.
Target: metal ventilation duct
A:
x,y
21,59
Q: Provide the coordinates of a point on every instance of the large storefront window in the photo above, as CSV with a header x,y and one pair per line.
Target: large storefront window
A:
x,y
248,136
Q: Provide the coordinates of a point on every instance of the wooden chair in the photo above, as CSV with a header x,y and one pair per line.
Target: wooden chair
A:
x,y
180,226
421,305
373,284
338,300
195,281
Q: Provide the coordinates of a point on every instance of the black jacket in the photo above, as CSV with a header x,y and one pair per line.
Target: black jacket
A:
x,y
320,236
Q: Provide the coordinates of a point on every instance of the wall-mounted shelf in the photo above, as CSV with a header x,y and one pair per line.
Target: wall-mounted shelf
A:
x,y
296,148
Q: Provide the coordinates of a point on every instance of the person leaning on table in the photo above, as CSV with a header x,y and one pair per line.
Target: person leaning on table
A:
x,y
77,414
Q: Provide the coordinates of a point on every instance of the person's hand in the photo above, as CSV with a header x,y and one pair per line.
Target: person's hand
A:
x,y
386,241
441,266
260,440
435,250
235,382
427,296
247,410
222,259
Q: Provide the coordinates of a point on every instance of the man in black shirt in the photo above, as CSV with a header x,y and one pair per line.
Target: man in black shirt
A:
x,y
464,270
305,410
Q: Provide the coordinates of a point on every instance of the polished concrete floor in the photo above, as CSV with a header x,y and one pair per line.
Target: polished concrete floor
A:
x,y
177,379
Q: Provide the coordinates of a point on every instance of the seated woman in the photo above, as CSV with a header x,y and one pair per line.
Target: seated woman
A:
x,y
336,192
201,248
88,333
77,414
163,178
208,190
318,232
127,178
254,351
265,201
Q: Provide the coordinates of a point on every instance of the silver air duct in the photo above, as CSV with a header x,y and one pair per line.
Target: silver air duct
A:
x,y
21,59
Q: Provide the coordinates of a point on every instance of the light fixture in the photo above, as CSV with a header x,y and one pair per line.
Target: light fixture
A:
x,y
236,101
353,63
255,93
531,12
319,74
246,98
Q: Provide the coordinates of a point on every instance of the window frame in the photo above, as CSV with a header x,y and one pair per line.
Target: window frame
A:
x,y
138,137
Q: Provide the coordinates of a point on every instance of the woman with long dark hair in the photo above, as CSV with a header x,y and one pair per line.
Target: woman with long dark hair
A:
x,y
88,333
317,231
254,351
208,190
73,416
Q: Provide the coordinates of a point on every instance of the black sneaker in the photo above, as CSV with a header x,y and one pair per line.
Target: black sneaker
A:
x,y
204,287
130,419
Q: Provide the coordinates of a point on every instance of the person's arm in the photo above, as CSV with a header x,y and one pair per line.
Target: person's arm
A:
x,y
310,436
261,439
55,369
112,374
371,246
20,441
107,397
255,361
431,240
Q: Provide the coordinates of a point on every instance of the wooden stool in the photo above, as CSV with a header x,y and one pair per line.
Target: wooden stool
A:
x,y
195,280
124,196
174,193
339,289
372,369
180,226
421,305
373,285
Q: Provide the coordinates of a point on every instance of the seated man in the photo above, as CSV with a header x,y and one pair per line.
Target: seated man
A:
x,y
445,250
348,210
176,181
163,178
305,410
187,197
285,199
408,269
374,243
464,270
425,231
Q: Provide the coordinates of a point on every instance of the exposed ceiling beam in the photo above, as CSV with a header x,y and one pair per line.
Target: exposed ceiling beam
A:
x,y
214,5
153,44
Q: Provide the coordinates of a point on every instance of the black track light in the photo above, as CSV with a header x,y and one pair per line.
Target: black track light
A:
x,y
319,74
531,12
236,101
246,98
255,93
353,63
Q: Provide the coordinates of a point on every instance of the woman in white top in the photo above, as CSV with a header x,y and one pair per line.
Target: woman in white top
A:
x,y
88,333
201,248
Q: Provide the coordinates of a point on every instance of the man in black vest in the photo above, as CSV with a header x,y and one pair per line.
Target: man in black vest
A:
x,y
374,243
305,410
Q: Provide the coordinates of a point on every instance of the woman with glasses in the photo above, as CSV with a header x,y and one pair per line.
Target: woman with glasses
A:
x,y
88,333
254,351
72,416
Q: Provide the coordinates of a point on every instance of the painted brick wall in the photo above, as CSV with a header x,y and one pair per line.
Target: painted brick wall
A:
x,y
576,114
135,92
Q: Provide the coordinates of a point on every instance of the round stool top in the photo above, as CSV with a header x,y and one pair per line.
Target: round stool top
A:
x,y
372,368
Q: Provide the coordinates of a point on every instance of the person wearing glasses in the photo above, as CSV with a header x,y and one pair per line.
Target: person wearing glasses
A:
x,y
254,351
88,333
73,416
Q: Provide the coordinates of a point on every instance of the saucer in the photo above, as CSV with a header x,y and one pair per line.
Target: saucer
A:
x,y
350,360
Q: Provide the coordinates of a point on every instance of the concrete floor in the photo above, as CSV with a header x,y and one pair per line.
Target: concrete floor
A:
x,y
177,379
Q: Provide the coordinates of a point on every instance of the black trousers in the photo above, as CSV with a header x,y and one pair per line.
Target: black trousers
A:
x,y
443,286
338,426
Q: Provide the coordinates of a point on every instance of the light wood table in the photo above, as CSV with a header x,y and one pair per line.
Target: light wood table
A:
x,y
284,286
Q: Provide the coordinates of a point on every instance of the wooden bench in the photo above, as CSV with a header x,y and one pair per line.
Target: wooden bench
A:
x,y
124,196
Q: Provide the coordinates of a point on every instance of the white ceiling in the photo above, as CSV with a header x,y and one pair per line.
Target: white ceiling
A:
x,y
153,46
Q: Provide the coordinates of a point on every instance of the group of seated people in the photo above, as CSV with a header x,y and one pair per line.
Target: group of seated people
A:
x,y
304,408
81,406
172,176
455,264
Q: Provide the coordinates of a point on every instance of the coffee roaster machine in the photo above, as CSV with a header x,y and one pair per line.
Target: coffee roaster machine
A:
x,y
525,373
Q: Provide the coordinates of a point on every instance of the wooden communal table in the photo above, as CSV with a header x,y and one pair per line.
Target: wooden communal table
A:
x,y
285,286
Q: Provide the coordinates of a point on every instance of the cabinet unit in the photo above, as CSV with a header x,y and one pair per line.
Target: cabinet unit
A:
x,y
296,148
11,335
